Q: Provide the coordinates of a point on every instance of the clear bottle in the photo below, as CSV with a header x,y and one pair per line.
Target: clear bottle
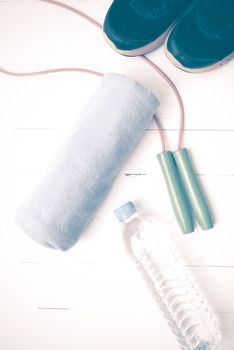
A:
x,y
180,300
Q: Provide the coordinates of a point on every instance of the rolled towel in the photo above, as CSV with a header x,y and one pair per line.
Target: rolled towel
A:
x,y
81,175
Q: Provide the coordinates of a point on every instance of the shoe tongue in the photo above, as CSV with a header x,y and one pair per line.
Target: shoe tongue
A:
x,y
215,18
149,9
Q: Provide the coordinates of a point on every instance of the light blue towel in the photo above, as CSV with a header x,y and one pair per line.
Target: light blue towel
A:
x,y
78,180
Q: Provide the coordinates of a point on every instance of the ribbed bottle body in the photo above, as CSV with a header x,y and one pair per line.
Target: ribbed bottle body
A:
x,y
172,285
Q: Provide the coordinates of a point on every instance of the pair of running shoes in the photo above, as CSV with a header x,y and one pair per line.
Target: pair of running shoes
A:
x,y
198,35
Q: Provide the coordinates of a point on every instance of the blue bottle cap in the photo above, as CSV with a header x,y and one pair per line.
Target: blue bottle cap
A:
x,y
125,211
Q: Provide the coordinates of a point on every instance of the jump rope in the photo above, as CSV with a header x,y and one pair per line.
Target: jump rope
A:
x,y
185,192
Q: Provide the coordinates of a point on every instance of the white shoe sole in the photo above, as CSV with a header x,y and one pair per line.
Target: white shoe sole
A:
x,y
194,70
144,49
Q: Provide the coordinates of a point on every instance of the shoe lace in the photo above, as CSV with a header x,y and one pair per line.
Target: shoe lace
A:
x,y
218,17
156,5
152,3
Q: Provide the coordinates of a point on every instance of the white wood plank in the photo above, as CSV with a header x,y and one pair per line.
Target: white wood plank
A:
x,y
92,296
40,47
105,299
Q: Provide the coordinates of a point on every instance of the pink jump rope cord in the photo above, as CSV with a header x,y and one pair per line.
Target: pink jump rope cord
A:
x,y
83,70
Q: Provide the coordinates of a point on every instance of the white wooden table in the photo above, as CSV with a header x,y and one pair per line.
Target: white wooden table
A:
x,y
91,297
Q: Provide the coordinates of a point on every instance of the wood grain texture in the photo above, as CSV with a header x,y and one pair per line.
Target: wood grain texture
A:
x,y
92,297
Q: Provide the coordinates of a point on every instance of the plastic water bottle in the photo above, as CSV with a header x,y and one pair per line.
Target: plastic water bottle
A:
x,y
180,300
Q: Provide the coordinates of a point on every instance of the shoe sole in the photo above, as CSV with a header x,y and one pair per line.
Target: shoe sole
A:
x,y
144,49
194,70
